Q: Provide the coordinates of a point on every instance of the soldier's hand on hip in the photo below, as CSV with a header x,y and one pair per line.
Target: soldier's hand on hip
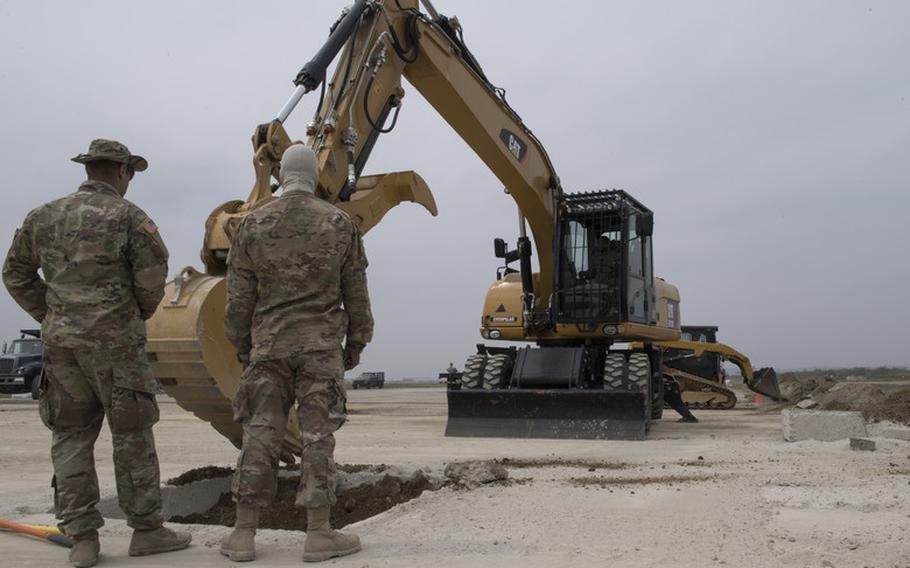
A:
x,y
244,359
352,355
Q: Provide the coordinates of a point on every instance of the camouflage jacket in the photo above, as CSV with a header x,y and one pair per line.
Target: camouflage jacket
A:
x,y
104,267
293,263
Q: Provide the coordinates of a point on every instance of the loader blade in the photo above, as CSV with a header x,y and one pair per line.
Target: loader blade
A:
x,y
549,413
764,381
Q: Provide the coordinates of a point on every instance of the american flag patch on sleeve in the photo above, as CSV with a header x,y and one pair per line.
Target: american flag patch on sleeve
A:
x,y
151,227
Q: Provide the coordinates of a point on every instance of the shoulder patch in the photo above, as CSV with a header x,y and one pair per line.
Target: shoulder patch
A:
x,y
150,227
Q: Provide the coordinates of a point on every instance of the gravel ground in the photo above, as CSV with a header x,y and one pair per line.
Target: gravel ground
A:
x,y
725,491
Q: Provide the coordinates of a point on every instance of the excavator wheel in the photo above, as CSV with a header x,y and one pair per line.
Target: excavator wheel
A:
x,y
497,372
474,367
639,376
615,371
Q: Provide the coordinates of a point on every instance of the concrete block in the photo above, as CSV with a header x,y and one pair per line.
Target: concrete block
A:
x,y
178,500
862,444
890,430
822,425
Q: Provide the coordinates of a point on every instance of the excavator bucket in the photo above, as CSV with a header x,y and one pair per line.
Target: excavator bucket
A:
x,y
547,413
764,381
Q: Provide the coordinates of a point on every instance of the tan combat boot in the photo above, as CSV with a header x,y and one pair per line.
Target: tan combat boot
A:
x,y
239,546
86,547
322,542
157,541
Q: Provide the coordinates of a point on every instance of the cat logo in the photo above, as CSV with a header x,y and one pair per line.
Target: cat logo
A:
x,y
516,146
500,309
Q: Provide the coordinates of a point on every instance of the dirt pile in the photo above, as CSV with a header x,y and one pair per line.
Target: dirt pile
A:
x,y
825,393
473,474
895,408
850,396
797,389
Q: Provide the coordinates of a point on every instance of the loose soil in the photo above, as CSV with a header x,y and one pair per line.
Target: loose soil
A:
x,y
558,462
354,503
895,408
649,480
200,474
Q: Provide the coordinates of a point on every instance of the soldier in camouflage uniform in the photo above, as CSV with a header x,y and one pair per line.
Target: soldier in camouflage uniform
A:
x,y
293,263
104,266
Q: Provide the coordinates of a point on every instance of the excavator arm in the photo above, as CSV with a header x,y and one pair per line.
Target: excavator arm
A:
x,y
379,42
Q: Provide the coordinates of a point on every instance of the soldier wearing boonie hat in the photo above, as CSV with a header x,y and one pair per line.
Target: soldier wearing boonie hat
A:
x,y
112,151
103,268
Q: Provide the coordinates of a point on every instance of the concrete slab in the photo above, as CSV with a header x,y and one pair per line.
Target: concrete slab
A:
x,y
862,444
890,430
822,425
180,500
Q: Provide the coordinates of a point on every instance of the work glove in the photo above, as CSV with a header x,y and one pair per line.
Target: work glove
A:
x,y
352,355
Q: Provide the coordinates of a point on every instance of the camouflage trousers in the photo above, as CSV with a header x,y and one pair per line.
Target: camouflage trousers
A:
x,y
79,389
267,393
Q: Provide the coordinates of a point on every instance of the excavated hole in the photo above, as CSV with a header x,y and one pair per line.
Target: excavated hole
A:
x,y
203,495
363,492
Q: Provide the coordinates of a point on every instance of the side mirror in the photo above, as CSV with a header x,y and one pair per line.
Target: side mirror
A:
x,y
646,225
499,248
5,347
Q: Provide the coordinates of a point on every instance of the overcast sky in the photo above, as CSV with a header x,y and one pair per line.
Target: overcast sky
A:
x,y
772,140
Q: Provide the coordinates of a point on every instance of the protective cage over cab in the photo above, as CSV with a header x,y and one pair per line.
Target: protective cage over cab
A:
x,y
605,271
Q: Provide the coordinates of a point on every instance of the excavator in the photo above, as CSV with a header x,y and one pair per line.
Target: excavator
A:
x,y
594,290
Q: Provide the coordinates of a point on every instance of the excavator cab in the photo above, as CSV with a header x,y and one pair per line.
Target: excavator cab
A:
x,y
605,267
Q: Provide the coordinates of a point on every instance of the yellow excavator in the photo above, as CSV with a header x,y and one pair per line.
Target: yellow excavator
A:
x,y
594,290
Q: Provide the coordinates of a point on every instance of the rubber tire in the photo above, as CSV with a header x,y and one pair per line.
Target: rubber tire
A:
x,y
615,369
497,372
474,367
639,377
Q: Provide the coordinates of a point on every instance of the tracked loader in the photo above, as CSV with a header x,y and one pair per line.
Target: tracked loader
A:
x,y
695,363
595,288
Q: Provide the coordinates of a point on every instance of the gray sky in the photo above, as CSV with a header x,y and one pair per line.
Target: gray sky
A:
x,y
771,139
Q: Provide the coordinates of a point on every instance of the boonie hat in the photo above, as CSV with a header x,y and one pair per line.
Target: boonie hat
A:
x,y
111,150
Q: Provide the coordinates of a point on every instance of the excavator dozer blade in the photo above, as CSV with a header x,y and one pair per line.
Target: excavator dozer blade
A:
x,y
550,413
764,381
